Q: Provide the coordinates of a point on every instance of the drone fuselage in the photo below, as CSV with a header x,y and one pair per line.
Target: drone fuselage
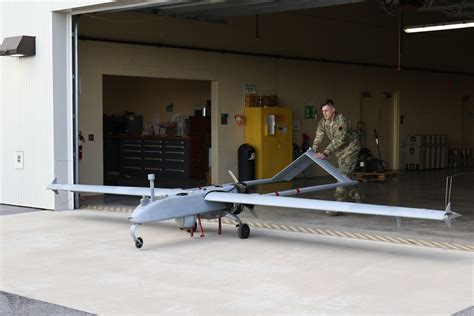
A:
x,y
181,205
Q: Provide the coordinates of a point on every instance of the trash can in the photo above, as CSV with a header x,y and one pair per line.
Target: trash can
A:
x,y
246,162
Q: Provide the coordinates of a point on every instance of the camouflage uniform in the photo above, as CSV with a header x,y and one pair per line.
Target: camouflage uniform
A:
x,y
345,144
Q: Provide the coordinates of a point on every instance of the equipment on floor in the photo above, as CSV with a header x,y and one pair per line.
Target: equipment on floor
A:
x,y
187,207
366,162
380,164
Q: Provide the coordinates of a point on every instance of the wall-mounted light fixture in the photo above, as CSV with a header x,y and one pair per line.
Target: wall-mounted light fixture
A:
x,y
438,27
18,46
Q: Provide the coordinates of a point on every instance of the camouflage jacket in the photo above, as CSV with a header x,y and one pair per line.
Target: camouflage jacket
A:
x,y
340,133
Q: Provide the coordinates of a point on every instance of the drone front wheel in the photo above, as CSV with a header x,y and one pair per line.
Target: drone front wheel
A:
x,y
139,242
243,231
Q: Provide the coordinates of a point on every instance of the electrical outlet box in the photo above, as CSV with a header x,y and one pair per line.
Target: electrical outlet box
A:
x,y
19,161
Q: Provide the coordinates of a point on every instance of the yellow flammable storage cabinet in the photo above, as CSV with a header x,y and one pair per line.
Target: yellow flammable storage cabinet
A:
x,y
268,129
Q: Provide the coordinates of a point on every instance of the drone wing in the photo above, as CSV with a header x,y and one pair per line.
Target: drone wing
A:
x,y
323,205
138,191
299,165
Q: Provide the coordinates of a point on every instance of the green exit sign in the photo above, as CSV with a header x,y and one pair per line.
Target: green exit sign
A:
x,y
308,112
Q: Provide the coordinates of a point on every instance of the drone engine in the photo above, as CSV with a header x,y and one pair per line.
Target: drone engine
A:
x,y
237,208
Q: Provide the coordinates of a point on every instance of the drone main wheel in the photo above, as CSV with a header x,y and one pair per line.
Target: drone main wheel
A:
x,y
139,242
243,231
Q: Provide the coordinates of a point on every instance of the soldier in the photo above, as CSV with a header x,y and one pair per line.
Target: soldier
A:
x,y
343,142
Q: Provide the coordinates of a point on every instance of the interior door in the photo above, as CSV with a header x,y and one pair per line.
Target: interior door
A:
x,y
377,112
468,123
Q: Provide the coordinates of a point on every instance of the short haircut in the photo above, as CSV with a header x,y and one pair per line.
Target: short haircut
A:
x,y
327,102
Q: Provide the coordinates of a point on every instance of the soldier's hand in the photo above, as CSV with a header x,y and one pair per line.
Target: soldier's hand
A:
x,y
320,156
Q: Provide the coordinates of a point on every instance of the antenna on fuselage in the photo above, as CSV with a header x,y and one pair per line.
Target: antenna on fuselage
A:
x,y
151,177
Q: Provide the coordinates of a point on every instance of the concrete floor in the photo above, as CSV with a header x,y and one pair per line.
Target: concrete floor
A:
x,y
85,260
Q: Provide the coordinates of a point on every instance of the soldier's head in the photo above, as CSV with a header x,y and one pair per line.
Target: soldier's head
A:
x,y
328,108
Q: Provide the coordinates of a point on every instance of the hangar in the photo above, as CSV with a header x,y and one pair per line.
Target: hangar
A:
x,y
109,82
104,92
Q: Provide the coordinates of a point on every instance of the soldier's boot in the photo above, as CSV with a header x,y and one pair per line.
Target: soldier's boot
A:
x,y
330,213
356,196
340,195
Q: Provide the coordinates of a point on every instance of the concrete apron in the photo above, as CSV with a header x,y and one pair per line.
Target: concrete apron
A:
x,y
86,260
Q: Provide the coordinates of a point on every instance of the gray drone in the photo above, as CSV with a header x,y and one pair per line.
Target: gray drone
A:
x,y
189,206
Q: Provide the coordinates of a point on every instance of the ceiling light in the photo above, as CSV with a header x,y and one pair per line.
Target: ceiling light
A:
x,y
438,27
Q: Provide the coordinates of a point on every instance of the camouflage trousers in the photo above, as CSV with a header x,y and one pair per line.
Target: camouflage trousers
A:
x,y
347,162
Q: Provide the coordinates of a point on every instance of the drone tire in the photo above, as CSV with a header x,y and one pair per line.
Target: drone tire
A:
x,y
139,242
243,231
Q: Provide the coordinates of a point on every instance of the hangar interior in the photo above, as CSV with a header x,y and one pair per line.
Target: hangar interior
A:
x,y
147,72
155,111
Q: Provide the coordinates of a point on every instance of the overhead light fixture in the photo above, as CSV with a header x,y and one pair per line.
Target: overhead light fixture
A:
x,y
18,46
438,27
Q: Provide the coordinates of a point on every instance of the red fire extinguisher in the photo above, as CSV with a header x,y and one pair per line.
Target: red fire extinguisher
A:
x,y
81,143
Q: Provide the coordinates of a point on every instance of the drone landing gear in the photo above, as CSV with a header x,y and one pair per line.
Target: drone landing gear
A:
x,y
138,240
243,230
201,230
192,230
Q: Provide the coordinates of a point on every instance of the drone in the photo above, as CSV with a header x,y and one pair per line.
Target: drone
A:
x,y
188,206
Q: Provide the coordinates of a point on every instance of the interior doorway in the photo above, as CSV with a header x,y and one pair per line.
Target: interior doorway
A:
x,y
378,115
156,126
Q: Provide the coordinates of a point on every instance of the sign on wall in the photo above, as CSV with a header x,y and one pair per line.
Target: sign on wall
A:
x,y
308,111
250,88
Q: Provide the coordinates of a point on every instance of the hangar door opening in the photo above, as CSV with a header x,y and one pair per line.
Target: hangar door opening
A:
x,y
156,126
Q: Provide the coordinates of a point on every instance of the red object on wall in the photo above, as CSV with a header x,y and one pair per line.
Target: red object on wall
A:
x,y
81,142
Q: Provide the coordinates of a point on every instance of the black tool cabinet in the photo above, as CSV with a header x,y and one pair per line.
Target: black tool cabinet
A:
x,y
164,156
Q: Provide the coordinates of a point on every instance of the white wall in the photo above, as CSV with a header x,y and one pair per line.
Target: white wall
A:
x,y
33,104
424,96
26,107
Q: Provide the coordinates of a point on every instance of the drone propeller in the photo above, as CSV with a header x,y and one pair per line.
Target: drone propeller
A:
x,y
249,207
232,175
